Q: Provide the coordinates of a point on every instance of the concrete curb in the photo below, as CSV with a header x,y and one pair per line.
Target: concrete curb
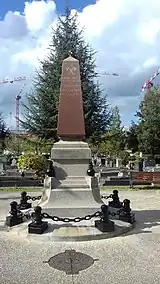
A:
x,y
72,233
16,195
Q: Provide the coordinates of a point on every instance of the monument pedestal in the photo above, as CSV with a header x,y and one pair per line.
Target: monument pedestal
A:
x,y
72,193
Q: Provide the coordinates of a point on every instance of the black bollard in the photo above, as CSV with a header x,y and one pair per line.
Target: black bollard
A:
x,y
90,171
15,217
126,215
37,226
24,201
115,202
105,225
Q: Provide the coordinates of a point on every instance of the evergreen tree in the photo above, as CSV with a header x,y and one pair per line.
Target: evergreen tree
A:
x,y
4,134
115,123
41,110
131,140
114,140
149,122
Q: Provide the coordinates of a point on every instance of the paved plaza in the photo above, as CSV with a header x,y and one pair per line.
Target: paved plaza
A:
x,y
130,258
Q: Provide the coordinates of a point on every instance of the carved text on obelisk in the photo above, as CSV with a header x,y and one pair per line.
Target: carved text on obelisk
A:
x,y
71,69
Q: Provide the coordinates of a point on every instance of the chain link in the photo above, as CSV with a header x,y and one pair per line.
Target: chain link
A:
x,y
106,197
115,213
76,219
27,215
33,198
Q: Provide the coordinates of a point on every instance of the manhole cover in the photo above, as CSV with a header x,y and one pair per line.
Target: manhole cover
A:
x,y
71,261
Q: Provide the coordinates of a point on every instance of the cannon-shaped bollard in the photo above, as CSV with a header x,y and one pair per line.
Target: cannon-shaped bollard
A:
x,y
15,217
115,203
24,201
105,225
37,226
126,215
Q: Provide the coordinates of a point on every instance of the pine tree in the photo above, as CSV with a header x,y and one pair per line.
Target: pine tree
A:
x,y
41,110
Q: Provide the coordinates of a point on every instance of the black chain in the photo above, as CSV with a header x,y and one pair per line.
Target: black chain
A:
x,y
106,197
67,220
28,215
115,213
33,198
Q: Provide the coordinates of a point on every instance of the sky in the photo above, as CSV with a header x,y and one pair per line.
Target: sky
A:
x,y
125,34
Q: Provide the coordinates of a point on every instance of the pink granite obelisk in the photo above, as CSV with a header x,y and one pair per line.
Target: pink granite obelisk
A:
x,y
71,191
71,117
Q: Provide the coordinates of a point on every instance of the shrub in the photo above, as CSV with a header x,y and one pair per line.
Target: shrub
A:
x,y
32,161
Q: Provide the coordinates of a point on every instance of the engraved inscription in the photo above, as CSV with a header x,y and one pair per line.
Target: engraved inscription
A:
x,y
71,69
72,79
71,92
74,93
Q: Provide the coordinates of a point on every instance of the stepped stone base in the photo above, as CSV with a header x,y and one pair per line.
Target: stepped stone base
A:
x,y
72,191
71,198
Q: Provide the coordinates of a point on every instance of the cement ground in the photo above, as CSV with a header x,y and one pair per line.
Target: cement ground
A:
x,y
131,258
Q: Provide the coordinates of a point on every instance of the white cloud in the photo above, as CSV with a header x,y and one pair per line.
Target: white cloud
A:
x,y
95,18
150,62
39,15
126,34
149,30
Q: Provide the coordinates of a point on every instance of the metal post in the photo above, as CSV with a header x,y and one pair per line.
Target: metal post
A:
x,y
15,217
37,226
105,225
115,202
126,215
24,201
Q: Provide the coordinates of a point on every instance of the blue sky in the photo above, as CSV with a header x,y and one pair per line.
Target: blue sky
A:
x,y
125,35
18,5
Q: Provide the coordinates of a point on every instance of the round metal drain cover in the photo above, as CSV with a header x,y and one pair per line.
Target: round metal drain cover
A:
x,y
71,261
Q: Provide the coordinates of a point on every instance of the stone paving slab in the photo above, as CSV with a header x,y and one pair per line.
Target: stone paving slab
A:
x,y
60,232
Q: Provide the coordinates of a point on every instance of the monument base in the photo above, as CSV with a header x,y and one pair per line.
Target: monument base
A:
x,y
72,193
76,197
73,232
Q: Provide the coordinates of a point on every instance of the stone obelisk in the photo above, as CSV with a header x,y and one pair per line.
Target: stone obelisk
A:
x,y
71,117
72,192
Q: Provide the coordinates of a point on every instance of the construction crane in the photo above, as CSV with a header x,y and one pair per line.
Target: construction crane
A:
x,y
18,98
103,73
10,81
149,83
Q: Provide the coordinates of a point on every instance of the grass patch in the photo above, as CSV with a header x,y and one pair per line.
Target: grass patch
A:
x,y
20,189
105,188
127,188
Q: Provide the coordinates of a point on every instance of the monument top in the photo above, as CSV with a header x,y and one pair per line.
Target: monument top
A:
x,y
71,117
70,58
